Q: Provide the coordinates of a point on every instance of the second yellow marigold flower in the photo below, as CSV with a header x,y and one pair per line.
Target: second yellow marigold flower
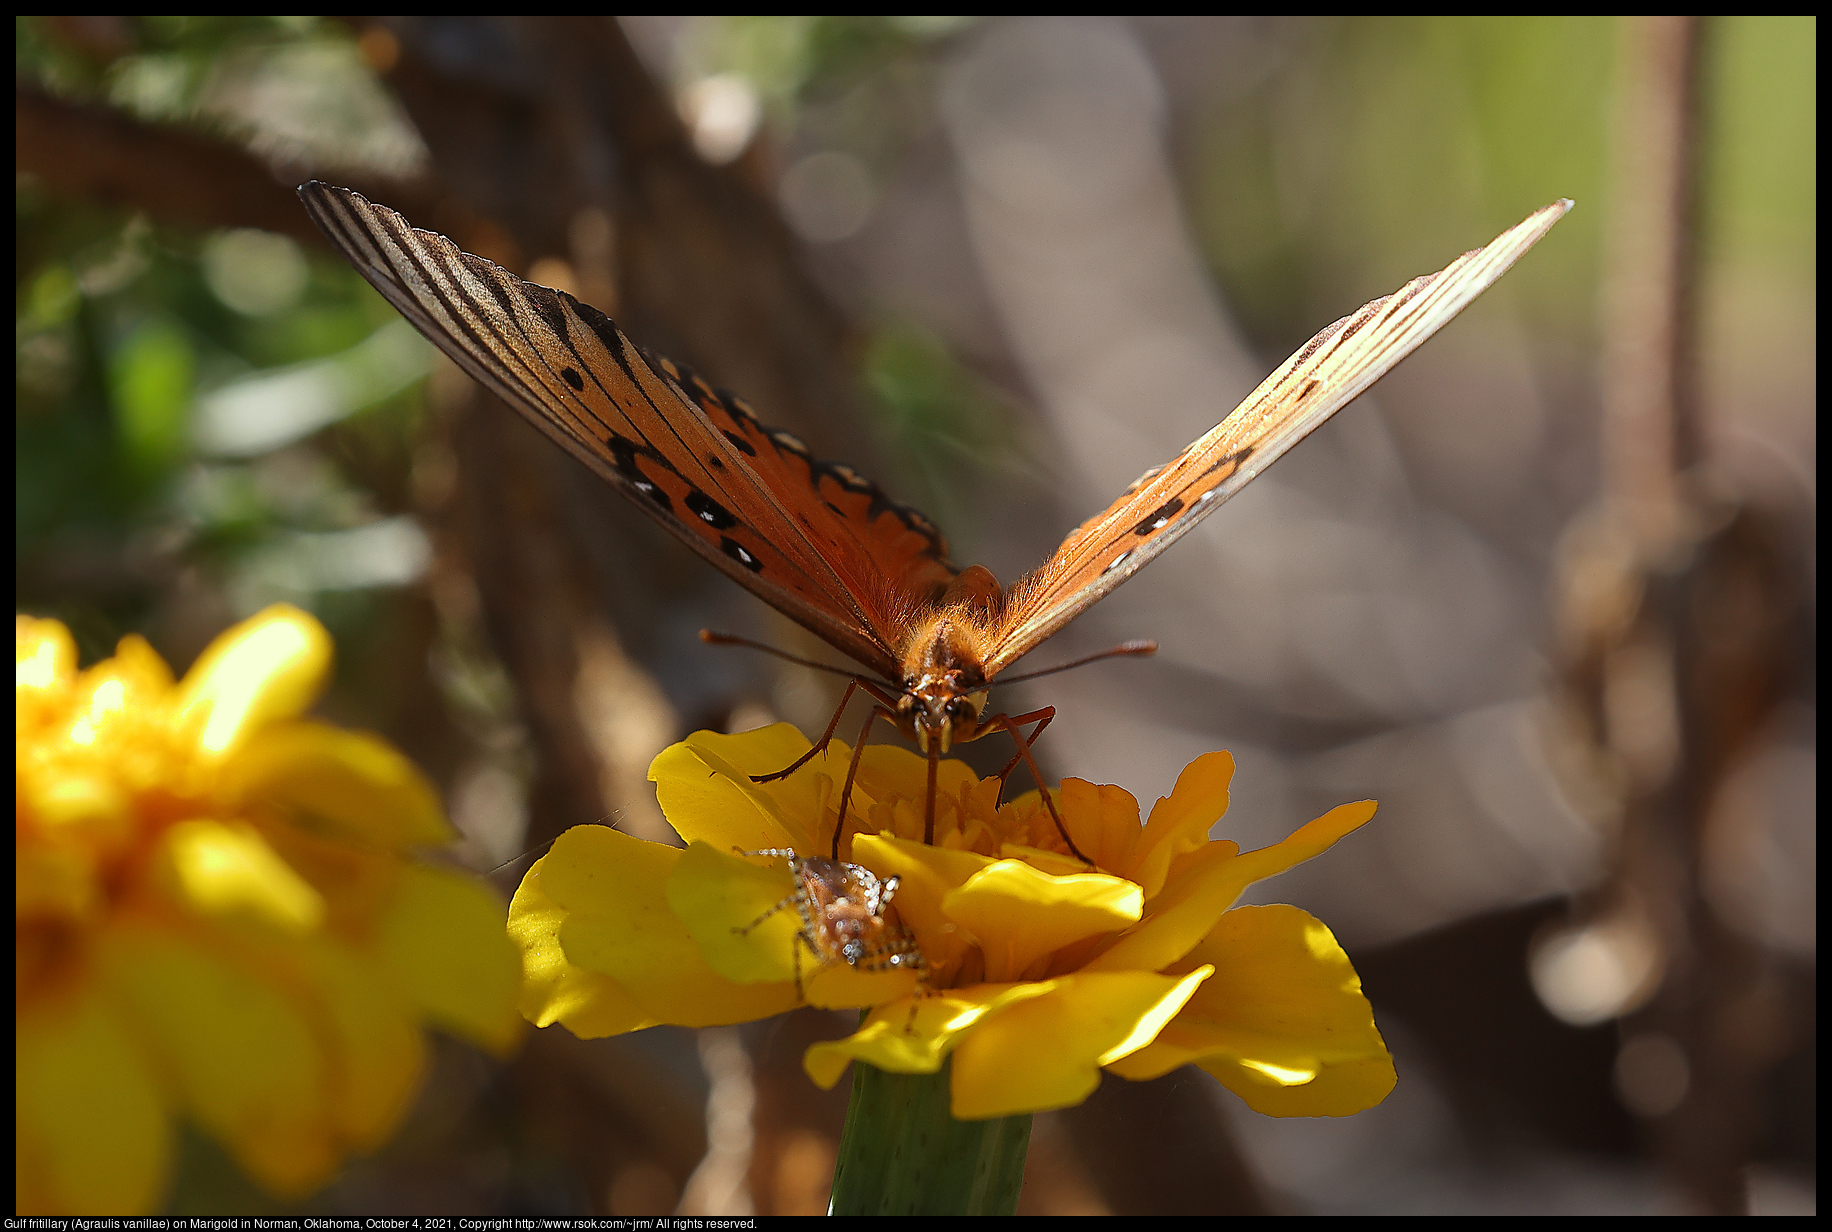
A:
x,y
220,919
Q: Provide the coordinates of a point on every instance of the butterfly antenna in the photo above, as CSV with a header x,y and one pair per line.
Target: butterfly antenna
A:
x,y
1124,648
730,639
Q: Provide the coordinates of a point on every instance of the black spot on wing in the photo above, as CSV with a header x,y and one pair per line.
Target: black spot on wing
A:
x,y
601,325
1329,331
624,455
1148,476
571,377
1232,461
491,276
1159,519
1356,323
710,511
741,445
791,443
547,303
735,406
735,550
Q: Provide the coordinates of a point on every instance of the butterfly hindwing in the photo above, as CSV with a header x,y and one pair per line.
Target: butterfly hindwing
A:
x,y
1324,376
811,538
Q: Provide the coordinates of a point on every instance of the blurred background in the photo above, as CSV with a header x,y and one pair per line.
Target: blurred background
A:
x,y
1546,593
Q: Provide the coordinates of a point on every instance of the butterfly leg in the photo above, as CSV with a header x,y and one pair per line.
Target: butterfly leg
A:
x,y
820,746
928,811
1006,721
1043,718
852,772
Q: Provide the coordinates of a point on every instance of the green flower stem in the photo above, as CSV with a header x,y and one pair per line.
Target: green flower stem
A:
x,y
903,1154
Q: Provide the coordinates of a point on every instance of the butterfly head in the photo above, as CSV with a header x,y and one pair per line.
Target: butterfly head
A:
x,y
941,712
944,684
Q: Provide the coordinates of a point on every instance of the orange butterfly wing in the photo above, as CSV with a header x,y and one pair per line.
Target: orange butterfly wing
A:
x,y
1325,375
812,538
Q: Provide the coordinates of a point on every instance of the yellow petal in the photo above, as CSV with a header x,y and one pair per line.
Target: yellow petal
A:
x,y
1020,914
55,882
244,1060
704,787
223,869
890,771
1207,884
617,922
115,712
444,938
1180,822
906,1038
378,1053
93,1137
1181,914
925,873
88,806
1046,1052
135,678
350,784
1311,839
588,1004
722,900
1061,863
925,876
44,654
1282,1023
1102,819
269,667
762,751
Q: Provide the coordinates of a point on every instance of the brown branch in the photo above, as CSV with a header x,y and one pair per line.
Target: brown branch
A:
x,y
176,176
1650,430
1685,631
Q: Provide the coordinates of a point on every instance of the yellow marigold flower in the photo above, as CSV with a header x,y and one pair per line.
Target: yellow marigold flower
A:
x,y
1041,970
219,918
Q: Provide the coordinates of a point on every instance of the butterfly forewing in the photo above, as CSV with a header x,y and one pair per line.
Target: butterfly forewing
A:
x,y
902,542
811,538
1325,375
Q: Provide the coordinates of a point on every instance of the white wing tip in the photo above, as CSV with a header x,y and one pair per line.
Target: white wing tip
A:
x,y
1550,214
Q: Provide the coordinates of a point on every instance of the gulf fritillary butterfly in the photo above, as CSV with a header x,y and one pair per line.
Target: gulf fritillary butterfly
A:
x,y
821,543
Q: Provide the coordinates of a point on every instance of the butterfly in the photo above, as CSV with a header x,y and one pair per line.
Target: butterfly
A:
x,y
823,544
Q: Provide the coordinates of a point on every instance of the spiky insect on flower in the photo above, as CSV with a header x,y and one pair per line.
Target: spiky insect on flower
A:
x,y
842,908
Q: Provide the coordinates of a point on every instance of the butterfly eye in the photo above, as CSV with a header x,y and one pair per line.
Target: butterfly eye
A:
x,y
965,707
